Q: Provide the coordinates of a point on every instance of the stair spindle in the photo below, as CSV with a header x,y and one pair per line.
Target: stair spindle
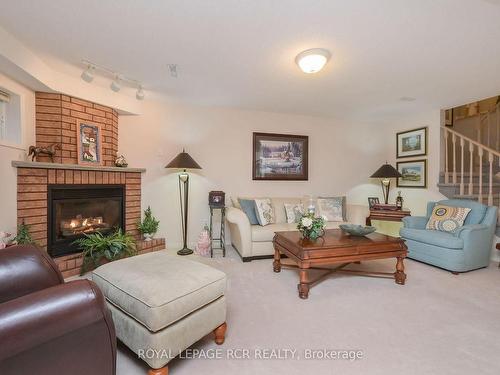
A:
x,y
454,142
490,192
471,170
488,124
446,163
480,196
462,143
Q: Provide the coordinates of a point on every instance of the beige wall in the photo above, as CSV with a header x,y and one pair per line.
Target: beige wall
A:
x,y
416,199
9,152
342,156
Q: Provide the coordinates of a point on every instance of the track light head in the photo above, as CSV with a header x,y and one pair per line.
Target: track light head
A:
x,y
115,85
88,74
140,93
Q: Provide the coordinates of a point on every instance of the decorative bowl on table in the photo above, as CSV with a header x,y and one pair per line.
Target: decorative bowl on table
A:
x,y
357,230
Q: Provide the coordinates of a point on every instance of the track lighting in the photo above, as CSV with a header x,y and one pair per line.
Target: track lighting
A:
x,y
119,79
115,85
88,74
140,93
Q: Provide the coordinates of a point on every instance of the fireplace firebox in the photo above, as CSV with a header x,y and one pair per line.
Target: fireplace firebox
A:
x,y
76,210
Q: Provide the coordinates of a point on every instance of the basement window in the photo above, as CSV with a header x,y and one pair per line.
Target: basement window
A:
x,y
10,117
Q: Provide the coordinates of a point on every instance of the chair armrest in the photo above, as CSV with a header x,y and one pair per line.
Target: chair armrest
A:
x,y
465,230
415,222
24,270
241,231
76,308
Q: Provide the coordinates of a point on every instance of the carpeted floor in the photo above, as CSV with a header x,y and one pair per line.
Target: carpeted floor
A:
x,y
438,323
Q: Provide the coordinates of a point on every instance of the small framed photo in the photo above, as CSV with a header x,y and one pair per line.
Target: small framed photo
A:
x,y
414,173
411,143
89,143
216,198
372,201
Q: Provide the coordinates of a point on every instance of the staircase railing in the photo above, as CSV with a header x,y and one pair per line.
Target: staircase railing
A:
x,y
458,143
492,131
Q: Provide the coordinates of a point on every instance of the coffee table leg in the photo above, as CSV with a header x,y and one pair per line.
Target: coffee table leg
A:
x,y
400,275
304,284
277,261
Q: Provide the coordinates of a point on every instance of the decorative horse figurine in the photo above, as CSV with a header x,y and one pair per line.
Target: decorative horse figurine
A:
x,y
49,151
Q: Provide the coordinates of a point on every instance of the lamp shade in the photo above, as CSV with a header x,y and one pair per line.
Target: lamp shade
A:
x,y
386,171
183,161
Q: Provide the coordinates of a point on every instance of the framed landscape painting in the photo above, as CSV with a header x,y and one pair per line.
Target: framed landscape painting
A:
x,y
414,173
280,157
411,143
89,144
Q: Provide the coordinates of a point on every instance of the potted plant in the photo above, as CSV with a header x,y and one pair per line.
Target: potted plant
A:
x,y
311,227
99,248
23,236
149,226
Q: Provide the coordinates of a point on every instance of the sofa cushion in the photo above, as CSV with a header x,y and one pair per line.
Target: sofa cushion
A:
x,y
248,207
433,237
447,218
475,216
158,289
266,234
331,208
279,208
343,203
264,211
294,211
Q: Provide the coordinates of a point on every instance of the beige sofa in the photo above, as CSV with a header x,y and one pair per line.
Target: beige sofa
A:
x,y
256,242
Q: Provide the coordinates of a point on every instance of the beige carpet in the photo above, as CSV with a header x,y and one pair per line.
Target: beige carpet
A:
x,y
437,323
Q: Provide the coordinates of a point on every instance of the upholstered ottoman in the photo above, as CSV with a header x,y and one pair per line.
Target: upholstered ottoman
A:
x,y
161,304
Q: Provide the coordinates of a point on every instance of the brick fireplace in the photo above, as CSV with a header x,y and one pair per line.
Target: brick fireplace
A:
x,y
56,119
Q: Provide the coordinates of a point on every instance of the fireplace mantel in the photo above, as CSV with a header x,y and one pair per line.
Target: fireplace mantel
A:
x,y
39,165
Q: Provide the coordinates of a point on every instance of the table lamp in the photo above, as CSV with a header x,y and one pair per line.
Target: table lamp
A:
x,y
184,161
385,173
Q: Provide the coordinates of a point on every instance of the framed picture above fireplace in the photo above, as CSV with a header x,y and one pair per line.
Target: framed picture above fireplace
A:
x,y
89,143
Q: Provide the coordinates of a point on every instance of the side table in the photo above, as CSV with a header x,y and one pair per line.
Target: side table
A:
x,y
387,215
222,237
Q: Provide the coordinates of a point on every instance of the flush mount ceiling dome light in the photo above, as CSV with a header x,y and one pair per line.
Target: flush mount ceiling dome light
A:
x,y
312,60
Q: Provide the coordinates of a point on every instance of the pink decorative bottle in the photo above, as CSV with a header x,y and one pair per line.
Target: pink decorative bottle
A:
x,y
203,245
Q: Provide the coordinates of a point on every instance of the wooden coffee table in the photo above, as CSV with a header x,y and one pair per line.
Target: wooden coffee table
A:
x,y
334,251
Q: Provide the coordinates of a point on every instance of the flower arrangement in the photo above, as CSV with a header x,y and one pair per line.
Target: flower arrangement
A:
x,y
311,227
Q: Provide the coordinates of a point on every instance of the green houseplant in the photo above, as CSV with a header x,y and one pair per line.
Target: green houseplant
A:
x,y
98,248
149,226
23,236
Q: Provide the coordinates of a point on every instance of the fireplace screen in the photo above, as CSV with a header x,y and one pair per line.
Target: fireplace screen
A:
x,y
75,211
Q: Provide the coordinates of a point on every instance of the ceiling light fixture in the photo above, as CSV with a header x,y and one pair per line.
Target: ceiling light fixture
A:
x,y
312,60
88,74
119,79
115,85
140,93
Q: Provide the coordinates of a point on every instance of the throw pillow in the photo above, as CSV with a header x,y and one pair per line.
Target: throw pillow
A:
x,y
264,210
447,218
330,208
294,212
248,207
343,201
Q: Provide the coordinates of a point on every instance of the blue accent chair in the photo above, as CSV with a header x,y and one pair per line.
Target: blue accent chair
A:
x,y
466,249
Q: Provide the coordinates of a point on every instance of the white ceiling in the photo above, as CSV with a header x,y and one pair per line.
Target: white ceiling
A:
x,y
240,53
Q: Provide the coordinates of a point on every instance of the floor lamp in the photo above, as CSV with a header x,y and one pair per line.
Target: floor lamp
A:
x,y
184,161
385,173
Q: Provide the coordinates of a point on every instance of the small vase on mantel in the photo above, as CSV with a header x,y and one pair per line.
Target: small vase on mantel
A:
x,y
148,236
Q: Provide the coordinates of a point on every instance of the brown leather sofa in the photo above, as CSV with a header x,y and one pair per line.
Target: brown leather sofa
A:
x,y
48,326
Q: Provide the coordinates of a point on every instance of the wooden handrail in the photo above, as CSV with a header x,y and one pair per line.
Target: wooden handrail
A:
x,y
485,148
